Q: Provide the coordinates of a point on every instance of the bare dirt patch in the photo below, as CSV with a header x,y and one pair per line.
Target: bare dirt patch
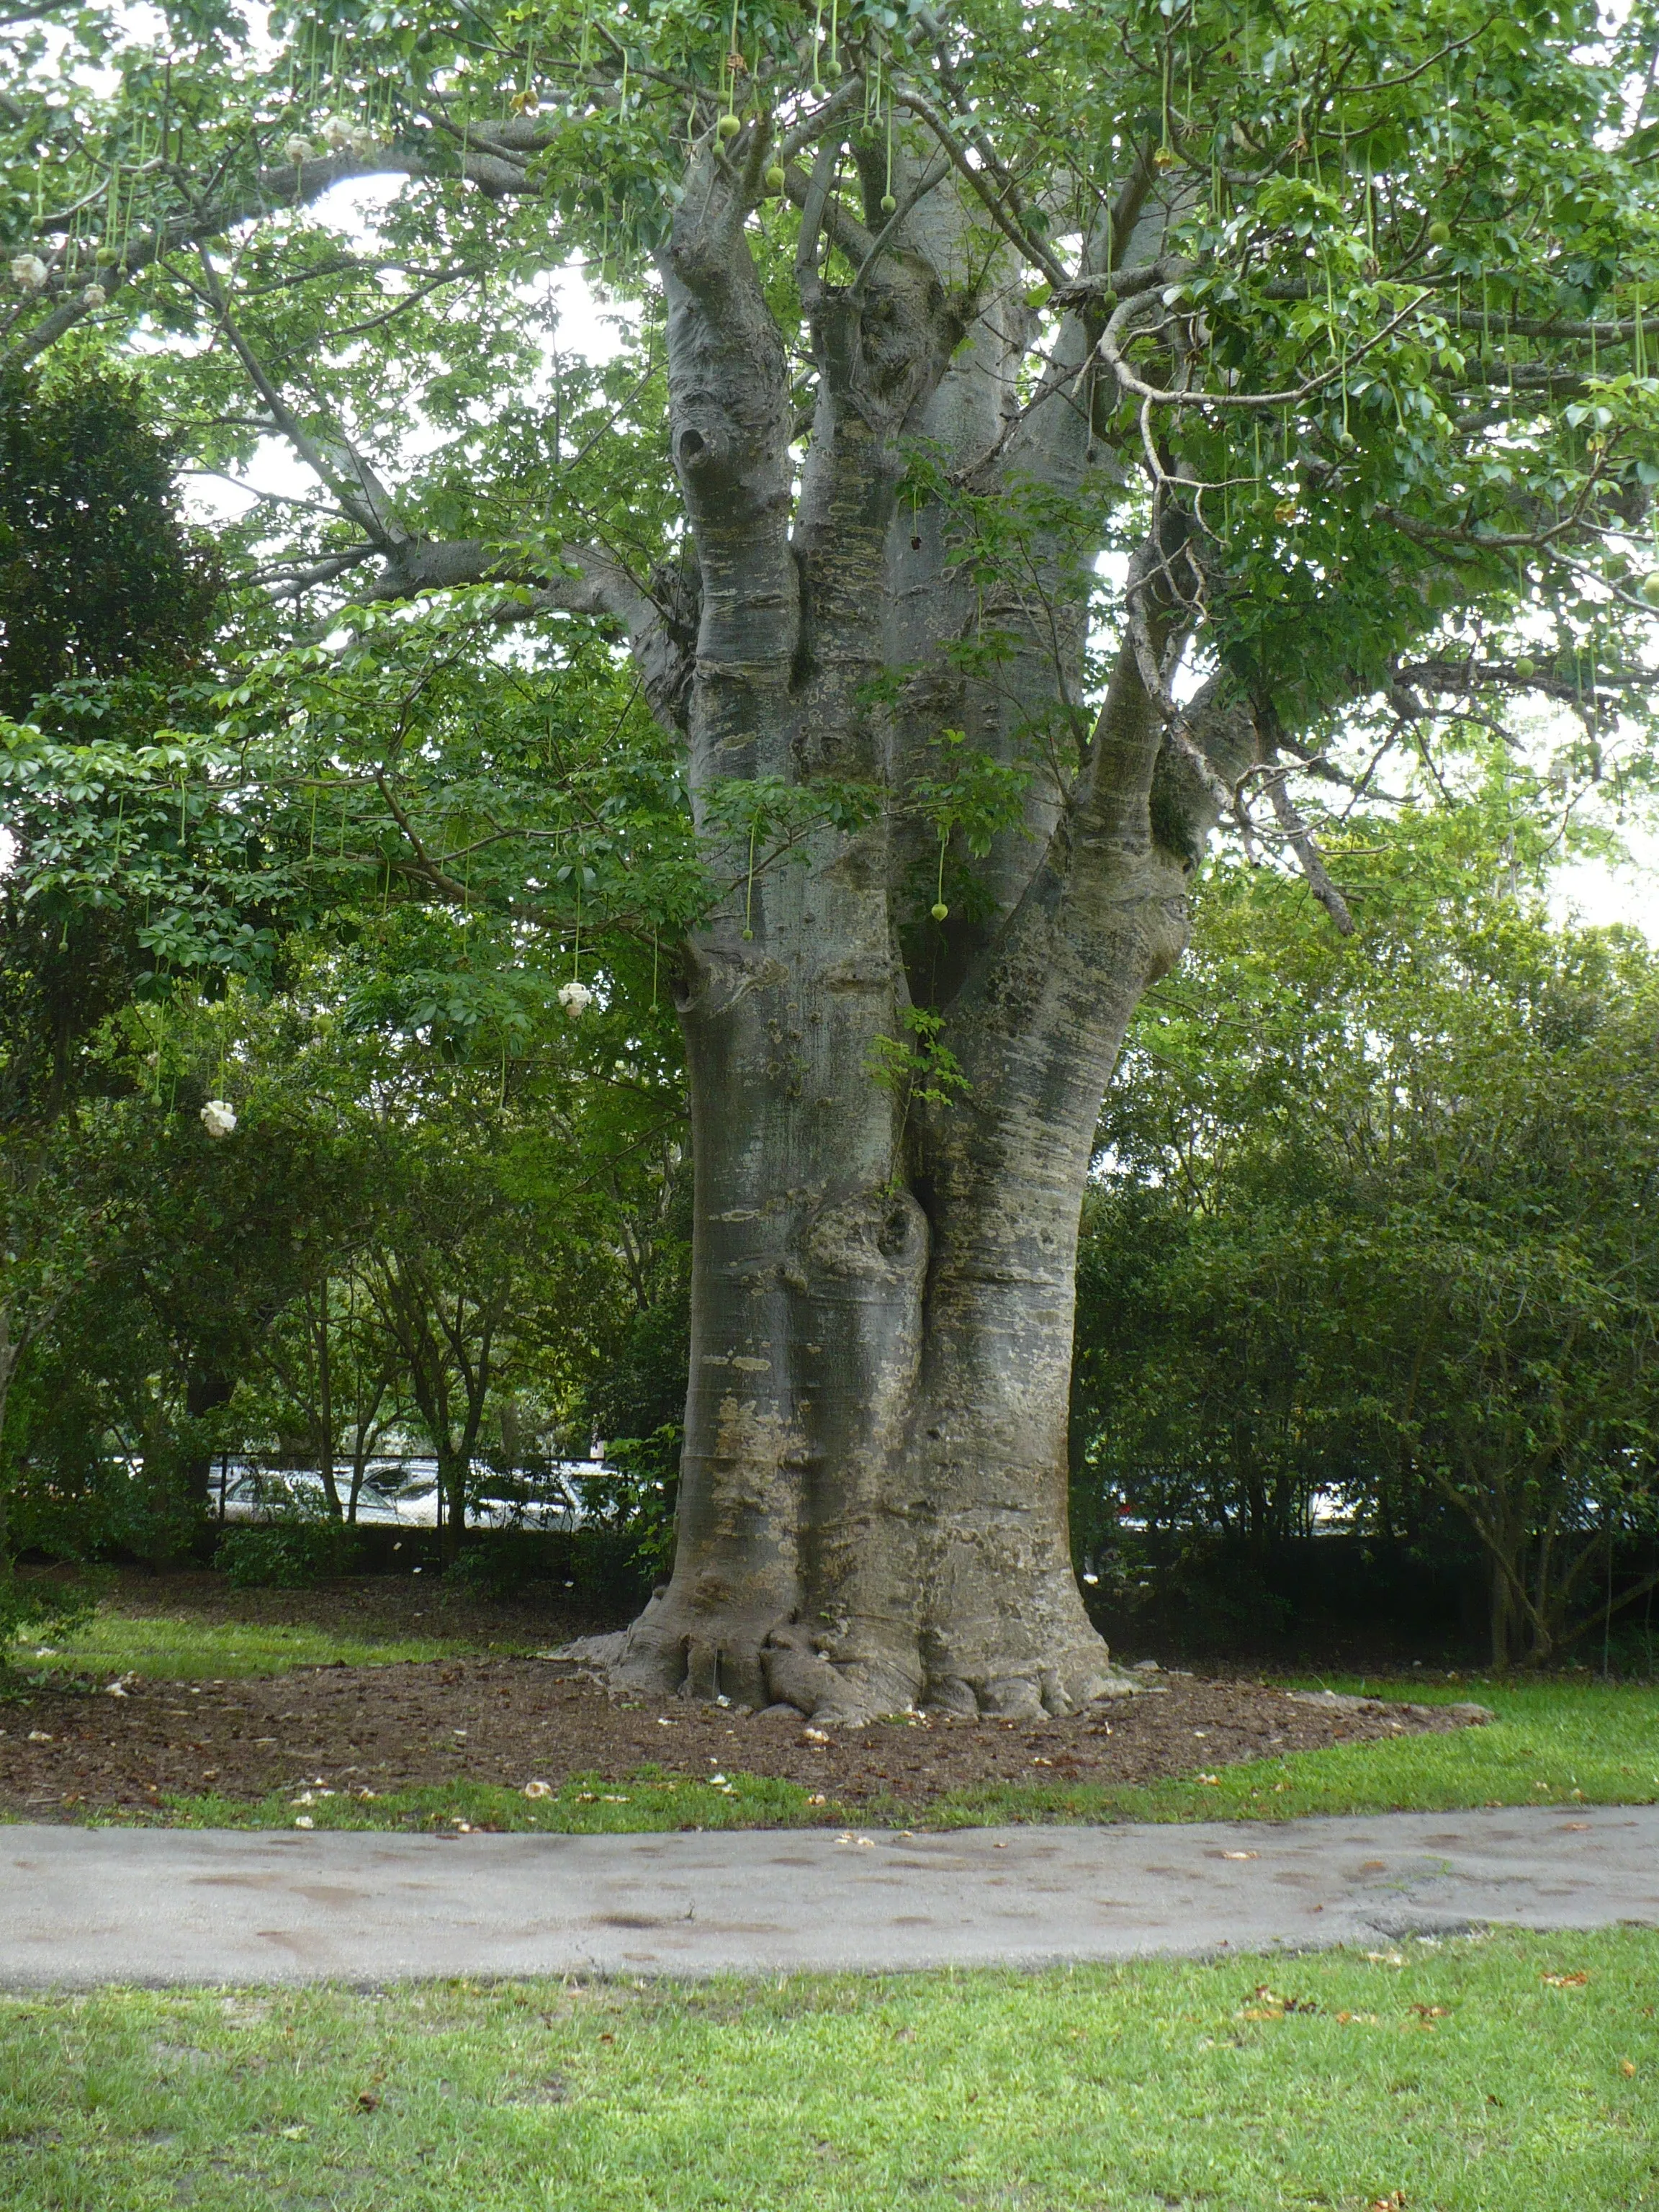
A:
x,y
64,1754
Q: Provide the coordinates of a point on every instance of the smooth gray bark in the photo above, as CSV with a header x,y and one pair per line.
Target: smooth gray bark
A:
x,y
873,1494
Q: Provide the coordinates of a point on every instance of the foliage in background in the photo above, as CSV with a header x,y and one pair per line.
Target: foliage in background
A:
x,y
1373,1226
99,576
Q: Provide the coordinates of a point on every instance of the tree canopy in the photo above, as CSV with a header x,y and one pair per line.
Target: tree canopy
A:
x,y
1027,441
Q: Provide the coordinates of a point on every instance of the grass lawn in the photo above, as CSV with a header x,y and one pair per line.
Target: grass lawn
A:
x,y
1551,1743
168,1648
1510,2073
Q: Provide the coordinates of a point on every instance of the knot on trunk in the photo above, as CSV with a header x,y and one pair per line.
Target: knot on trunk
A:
x,y
882,1232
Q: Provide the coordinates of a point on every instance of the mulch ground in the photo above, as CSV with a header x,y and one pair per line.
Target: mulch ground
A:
x,y
63,1753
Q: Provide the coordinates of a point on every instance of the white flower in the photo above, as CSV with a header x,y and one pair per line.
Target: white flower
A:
x,y
575,999
297,148
95,296
218,1118
538,1789
29,270
361,139
337,133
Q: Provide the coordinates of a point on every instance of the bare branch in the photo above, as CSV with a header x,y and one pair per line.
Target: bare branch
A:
x,y
368,503
1301,841
911,96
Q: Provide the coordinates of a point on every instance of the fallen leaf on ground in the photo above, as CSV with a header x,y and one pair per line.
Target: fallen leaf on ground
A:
x,y
1566,1981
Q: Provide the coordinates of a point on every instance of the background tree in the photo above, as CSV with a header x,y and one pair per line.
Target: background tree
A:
x,y
1373,1228
99,576
1331,329
106,601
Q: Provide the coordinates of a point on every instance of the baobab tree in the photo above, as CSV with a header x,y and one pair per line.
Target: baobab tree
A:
x,y
1045,432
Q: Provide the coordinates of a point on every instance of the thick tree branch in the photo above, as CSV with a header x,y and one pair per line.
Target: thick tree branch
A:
x,y
658,624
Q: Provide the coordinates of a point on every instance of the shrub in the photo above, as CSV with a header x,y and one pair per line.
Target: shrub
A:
x,y
290,1555
40,1604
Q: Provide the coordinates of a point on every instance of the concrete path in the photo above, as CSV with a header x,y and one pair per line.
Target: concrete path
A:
x,y
81,1906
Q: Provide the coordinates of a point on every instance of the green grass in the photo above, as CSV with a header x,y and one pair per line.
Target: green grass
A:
x,y
584,1805
1551,1743
1452,2076
167,1649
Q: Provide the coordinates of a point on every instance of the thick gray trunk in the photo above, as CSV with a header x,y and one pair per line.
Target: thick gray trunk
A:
x,y
873,1495
872,1504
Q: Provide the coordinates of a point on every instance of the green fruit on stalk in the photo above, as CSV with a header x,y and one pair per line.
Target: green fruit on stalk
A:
x,y
940,911
1650,590
1526,666
774,178
889,205
1439,233
728,126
